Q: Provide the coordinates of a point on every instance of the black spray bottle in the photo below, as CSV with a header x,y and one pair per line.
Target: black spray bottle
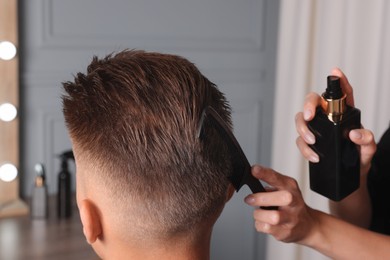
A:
x,y
64,199
338,173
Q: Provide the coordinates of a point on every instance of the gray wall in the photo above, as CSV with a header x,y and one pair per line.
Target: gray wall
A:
x,y
233,42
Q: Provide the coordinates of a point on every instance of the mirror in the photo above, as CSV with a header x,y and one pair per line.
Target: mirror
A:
x,y
10,203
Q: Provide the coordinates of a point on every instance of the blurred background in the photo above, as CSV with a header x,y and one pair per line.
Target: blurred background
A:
x,y
265,55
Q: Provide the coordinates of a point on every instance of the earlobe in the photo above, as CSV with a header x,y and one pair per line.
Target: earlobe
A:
x,y
90,219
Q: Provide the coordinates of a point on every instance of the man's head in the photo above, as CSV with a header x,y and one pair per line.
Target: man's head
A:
x,y
133,119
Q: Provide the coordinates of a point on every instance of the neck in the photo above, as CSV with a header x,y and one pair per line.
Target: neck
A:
x,y
197,248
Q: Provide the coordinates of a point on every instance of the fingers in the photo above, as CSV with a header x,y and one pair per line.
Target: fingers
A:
x,y
306,151
345,85
271,198
273,178
303,130
267,216
291,221
312,101
268,221
263,227
285,191
364,138
278,231
292,225
272,218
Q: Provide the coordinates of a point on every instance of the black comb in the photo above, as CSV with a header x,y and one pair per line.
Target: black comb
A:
x,y
241,168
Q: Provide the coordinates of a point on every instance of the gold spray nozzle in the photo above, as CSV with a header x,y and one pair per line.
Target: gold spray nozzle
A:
x,y
334,108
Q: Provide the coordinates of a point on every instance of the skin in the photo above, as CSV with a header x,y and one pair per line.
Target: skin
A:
x,y
356,208
98,213
296,222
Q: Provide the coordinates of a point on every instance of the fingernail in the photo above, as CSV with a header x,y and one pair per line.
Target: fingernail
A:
x,y
310,139
356,134
306,114
314,158
249,200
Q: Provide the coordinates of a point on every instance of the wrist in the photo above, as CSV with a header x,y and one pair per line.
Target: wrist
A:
x,y
364,170
315,237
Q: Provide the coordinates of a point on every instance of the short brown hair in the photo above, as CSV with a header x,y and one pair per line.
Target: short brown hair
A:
x,y
136,114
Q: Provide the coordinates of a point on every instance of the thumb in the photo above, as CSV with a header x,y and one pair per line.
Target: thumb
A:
x,y
365,139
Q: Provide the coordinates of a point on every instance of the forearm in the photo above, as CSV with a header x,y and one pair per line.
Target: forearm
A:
x,y
340,240
356,208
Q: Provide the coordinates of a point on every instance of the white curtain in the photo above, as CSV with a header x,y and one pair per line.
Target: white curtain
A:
x,y
314,37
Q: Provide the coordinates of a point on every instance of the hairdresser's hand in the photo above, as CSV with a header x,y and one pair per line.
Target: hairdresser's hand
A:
x,y
362,137
294,220
356,208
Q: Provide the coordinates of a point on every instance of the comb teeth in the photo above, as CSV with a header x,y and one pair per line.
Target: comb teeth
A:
x,y
235,180
241,169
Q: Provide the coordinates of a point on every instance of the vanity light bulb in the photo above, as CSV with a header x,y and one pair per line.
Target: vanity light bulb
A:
x,y
8,112
8,172
7,50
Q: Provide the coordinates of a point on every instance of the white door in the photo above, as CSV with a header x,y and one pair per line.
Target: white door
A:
x,y
233,42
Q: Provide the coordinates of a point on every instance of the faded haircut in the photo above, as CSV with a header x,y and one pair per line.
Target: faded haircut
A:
x,y
136,114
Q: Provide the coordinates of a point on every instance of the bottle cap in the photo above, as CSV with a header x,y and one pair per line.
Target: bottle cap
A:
x,y
333,89
333,100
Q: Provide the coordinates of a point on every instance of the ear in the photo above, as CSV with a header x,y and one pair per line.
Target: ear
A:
x,y
90,219
230,192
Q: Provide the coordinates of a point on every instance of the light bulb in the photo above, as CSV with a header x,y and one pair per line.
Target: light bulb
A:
x,y
8,172
8,112
7,50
